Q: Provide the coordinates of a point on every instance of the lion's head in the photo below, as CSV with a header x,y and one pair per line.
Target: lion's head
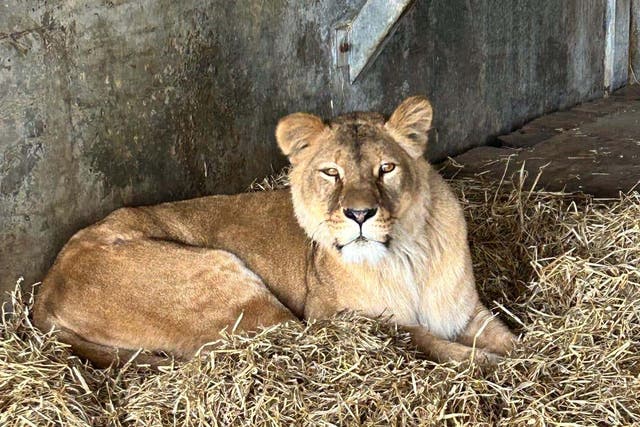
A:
x,y
358,182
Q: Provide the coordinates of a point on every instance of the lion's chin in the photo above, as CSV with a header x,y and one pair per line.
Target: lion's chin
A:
x,y
363,251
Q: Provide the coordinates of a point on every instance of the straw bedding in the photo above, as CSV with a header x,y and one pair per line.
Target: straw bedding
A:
x,y
562,270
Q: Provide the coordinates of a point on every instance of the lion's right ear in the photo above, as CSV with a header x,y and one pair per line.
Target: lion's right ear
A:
x,y
297,131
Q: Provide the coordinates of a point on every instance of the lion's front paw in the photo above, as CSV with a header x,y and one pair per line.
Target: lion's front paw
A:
x,y
485,358
503,344
462,353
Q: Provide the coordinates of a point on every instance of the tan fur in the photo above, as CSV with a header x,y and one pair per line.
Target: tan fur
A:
x,y
171,277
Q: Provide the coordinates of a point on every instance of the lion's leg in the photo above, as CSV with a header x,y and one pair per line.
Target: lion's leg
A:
x,y
152,294
104,356
441,350
487,332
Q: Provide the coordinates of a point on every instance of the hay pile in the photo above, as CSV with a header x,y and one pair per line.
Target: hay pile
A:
x,y
563,270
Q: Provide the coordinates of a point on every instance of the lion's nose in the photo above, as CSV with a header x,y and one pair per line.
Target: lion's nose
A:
x,y
360,215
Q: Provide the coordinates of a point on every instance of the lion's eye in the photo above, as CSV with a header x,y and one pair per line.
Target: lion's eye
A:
x,y
332,172
387,167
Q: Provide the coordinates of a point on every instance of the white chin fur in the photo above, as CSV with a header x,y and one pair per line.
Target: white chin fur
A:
x,y
360,252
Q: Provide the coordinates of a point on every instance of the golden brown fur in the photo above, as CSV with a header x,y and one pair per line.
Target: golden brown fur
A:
x,y
367,225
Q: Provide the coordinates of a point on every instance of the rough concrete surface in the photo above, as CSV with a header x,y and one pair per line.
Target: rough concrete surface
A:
x,y
617,43
593,148
122,102
634,42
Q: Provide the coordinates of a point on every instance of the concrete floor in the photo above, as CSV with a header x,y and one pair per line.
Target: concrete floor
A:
x,y
592,148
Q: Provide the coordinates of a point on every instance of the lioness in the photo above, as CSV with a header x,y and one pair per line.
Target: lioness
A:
x,y
367,225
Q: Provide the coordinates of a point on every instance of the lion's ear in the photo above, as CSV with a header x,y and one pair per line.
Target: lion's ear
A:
x,y
410,123
296,131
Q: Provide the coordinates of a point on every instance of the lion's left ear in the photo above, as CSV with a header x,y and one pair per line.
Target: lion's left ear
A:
x,y
296,132
410,123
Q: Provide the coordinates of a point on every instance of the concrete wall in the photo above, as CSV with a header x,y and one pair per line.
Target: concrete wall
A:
x,y
617,38
111,103
634,42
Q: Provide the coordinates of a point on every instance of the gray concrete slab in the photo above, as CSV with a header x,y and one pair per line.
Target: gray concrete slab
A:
x,y
600,156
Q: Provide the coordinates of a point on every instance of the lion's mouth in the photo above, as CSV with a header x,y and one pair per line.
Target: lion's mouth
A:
x,y
362,250
363,240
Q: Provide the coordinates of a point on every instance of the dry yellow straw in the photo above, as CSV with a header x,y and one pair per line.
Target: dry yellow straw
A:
x,y
562,270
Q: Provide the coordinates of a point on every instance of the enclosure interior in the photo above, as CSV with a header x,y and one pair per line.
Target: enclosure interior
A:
x,y
112,103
